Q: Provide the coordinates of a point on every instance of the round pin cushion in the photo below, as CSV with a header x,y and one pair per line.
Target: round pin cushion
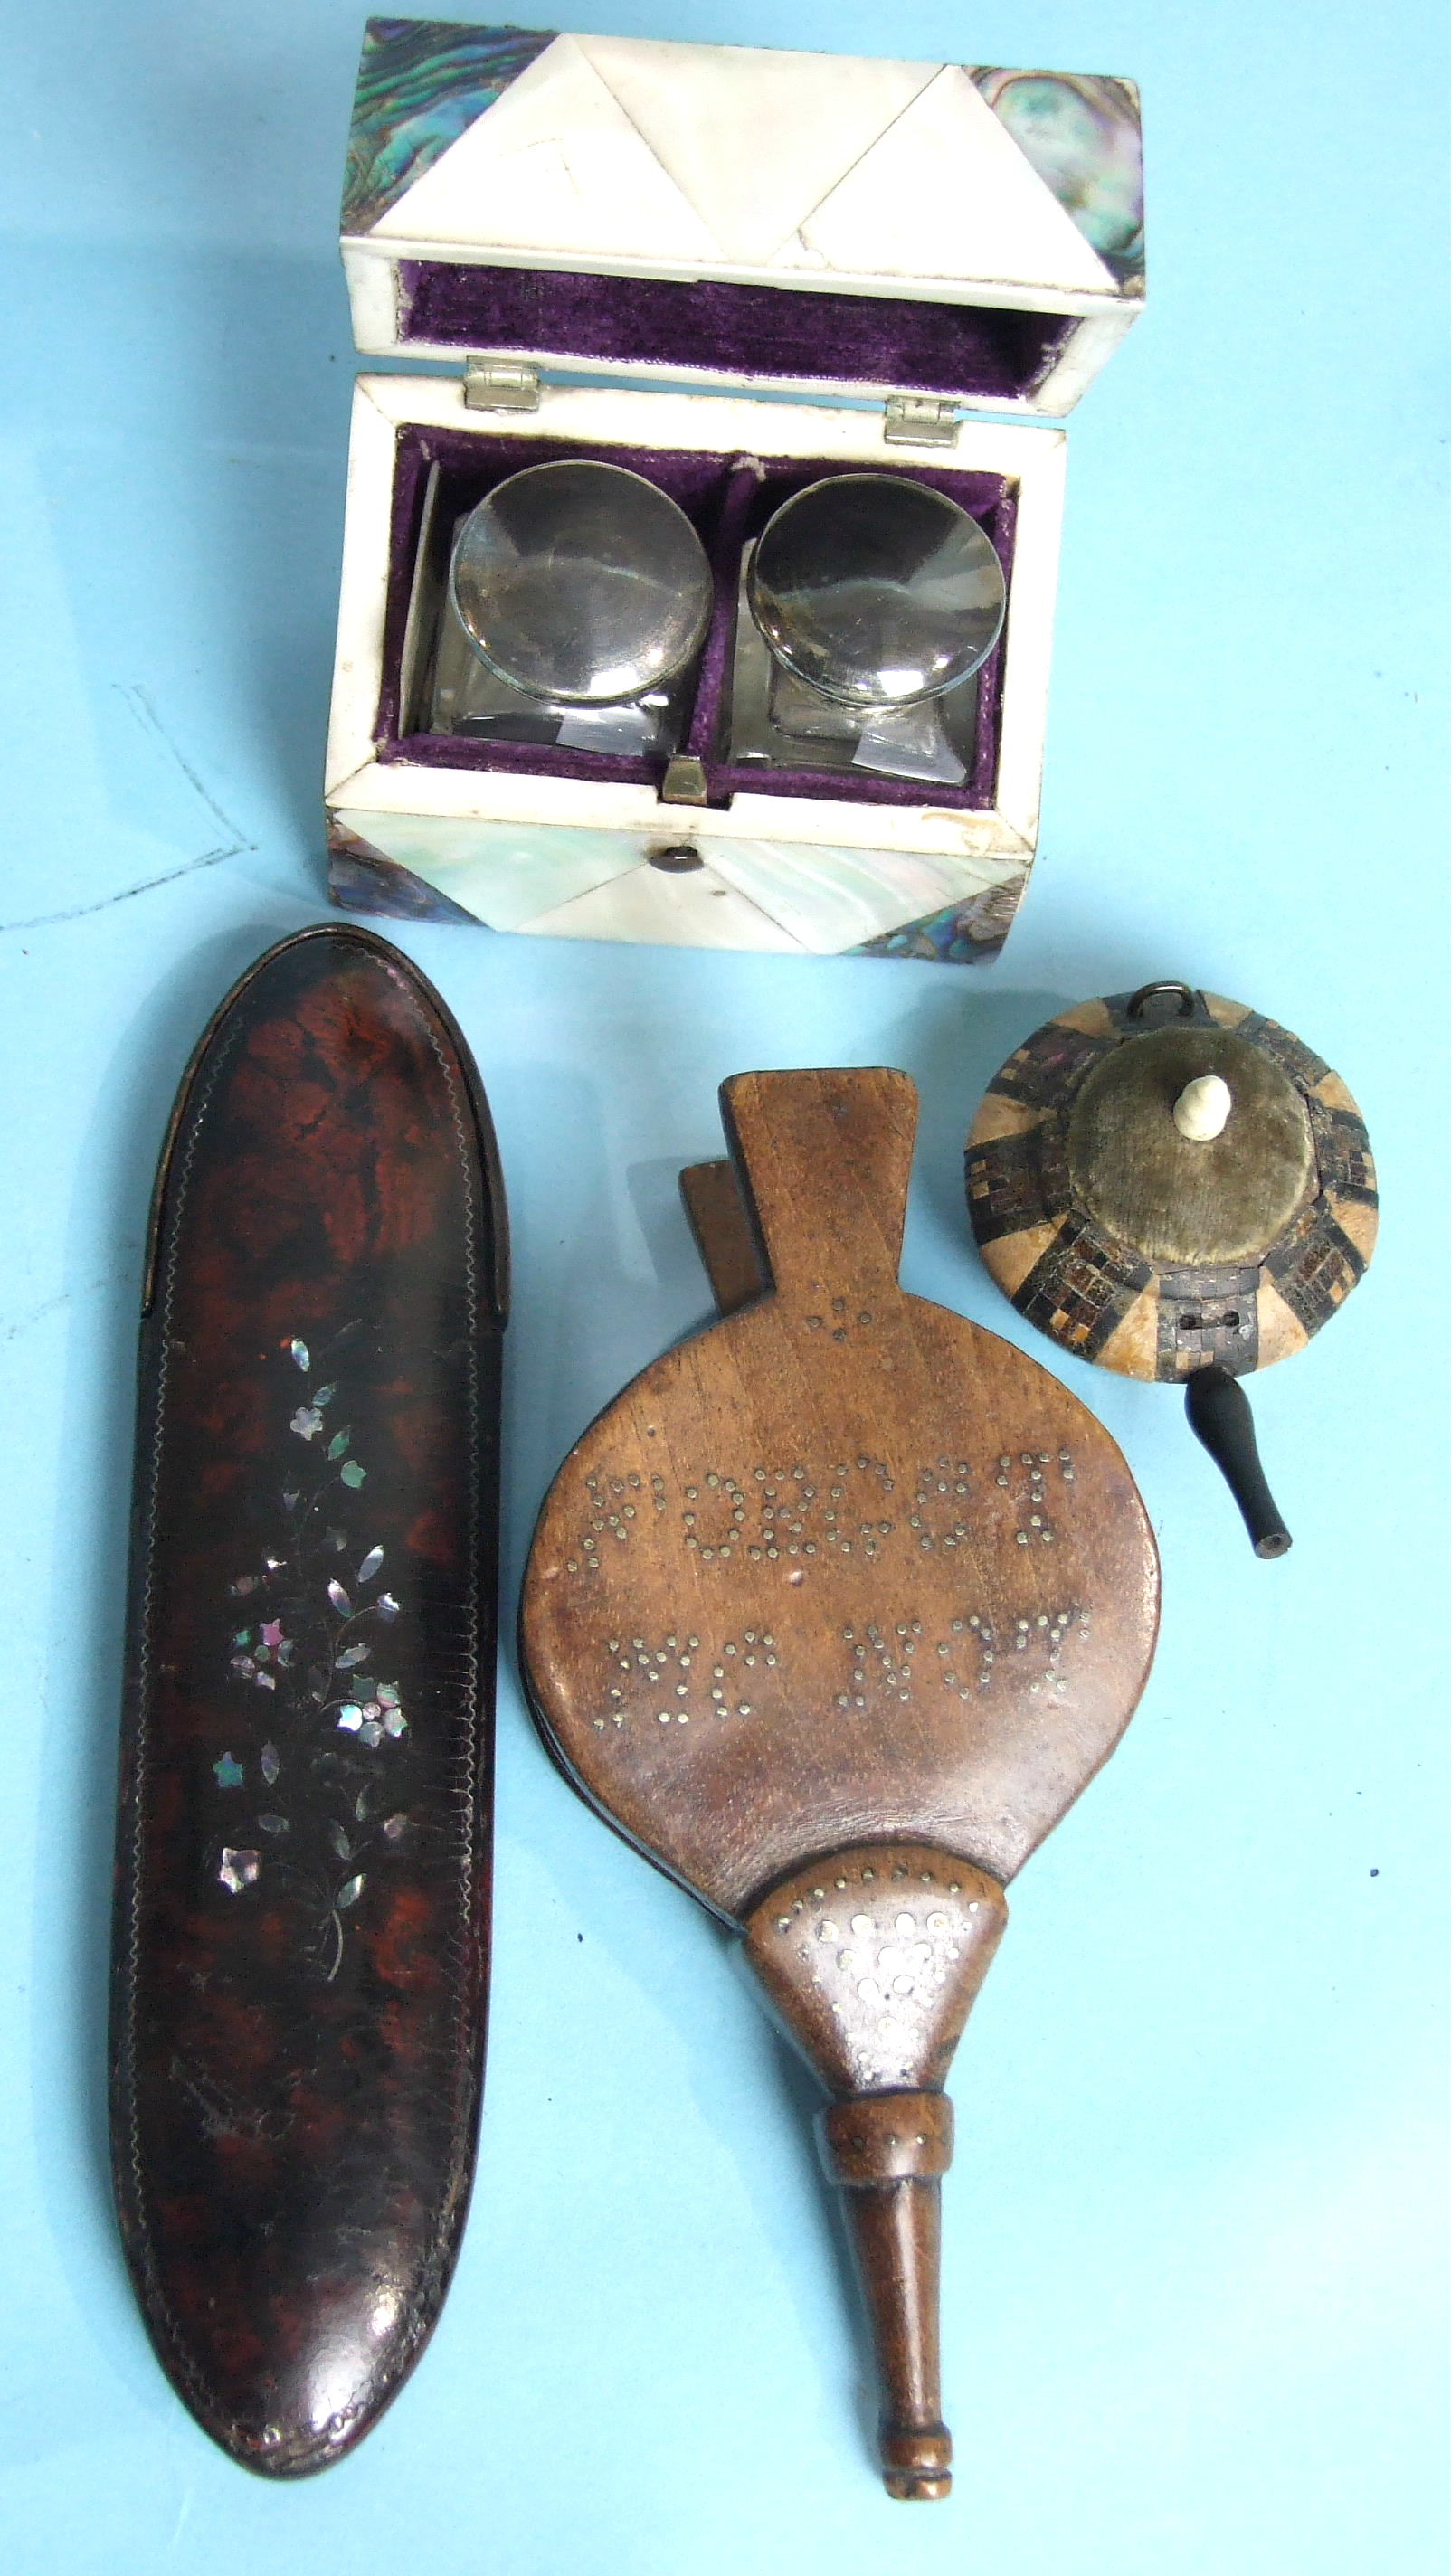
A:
x,y
1166,1183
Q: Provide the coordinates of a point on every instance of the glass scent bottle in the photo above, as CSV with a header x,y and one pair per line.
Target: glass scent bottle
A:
x,y
578,598
867,607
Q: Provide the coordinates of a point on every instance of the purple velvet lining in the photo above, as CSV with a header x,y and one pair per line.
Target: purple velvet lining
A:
x,y
728,503
986,353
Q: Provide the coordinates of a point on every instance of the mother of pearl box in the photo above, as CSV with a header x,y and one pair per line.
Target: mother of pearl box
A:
x,y
732,272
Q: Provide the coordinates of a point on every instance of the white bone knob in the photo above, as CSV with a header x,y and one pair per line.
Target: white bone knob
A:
x,y
1202,1109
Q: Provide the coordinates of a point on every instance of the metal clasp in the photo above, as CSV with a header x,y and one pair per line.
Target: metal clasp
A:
x,y
501,384
685,781
917,420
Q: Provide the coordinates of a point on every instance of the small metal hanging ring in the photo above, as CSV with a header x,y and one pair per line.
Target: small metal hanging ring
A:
x,y
1146,993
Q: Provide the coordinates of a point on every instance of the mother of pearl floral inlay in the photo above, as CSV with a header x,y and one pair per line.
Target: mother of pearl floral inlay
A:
x,y
331,1725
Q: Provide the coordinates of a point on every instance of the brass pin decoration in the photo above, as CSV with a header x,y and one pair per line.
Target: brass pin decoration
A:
x,y
833,1613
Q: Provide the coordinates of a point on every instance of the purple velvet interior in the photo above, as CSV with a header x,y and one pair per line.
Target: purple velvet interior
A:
x,y
973,350
728,500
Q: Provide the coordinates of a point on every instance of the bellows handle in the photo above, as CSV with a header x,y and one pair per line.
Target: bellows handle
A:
x,y
823,1161
724,1235
1219,1415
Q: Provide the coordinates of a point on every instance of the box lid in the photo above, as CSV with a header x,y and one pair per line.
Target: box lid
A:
x,y
807,223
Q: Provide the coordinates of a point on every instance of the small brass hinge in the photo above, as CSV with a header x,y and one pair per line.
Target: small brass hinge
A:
x,y
501,384
916,420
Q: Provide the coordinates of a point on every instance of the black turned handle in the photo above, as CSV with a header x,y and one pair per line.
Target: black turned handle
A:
x,y
1219,1416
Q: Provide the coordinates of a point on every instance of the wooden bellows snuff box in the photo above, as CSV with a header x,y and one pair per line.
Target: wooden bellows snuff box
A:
x,y
734,273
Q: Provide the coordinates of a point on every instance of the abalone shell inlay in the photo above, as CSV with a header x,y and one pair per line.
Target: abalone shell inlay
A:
x,y
1083,137
421,83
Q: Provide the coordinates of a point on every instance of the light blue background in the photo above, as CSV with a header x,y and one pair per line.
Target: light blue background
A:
x,y
1193,2293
